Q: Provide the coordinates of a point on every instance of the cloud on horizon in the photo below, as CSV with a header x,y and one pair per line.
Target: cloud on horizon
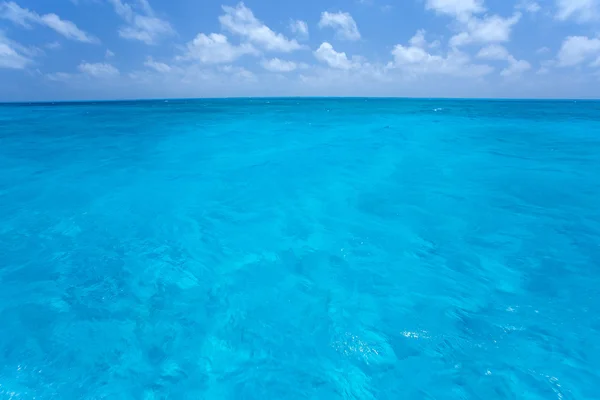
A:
x,y
475,54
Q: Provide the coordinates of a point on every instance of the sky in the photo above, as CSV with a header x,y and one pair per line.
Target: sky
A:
x,y
131,49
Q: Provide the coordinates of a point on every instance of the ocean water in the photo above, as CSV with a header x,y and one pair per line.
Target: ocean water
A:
x,y
300,249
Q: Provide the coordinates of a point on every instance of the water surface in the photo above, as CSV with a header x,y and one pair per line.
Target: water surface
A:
x,y
300,248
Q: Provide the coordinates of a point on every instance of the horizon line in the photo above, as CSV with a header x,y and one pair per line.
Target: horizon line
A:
x,y
166,99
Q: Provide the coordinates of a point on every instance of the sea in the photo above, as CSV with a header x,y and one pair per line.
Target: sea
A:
x,y
300,248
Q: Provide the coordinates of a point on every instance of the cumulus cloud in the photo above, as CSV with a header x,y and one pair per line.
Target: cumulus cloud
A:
x,y
216,49
493,28
299,28
241,21
472,27
419,40
209,57
488,29
578,10
412,55
98,70
416,60
326,54
342,22
21,16
577,49
143,26
499,53
278,65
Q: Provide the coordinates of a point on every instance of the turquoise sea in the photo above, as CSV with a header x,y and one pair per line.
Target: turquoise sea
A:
x,y
300,249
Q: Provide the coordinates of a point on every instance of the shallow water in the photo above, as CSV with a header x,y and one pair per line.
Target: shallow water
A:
x,y
300,248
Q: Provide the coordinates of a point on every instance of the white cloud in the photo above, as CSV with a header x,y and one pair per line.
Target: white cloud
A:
x,y
578,10
299,28
109,54
577,49
326,54
515,68
343,24
411,55
473,28
12,54
417,61
278,65
419,40
529,6
499,53
98,70
66,28
493,52
238,72
146,29
460,39
241,21
456,8
20,16
143,26
361,76
96,76
157,66
24,17
216,49
485,30
195,80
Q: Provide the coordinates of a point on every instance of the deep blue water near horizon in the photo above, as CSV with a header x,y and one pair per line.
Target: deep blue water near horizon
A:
x,y
300,249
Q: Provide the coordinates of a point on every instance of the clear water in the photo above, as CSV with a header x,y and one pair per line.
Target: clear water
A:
x,y
290,249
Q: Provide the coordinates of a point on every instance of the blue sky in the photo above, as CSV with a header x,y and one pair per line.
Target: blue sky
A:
x,y
115,49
